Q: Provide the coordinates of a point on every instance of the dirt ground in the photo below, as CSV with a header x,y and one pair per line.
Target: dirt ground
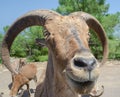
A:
x,y
109,78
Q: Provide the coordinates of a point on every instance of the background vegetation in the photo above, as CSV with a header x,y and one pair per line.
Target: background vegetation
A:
x,y
24,45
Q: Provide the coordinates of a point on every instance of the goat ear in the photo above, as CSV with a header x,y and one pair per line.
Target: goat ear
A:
x,y
40,42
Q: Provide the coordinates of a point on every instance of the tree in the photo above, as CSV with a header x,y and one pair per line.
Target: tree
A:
x,y
24,44
5,28
97,8
18,48
34,52
1,37
91,6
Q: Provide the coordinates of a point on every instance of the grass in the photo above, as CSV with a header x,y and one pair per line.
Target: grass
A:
x,y
40,58
43,58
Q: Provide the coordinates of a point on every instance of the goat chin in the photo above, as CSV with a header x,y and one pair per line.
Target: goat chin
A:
x,y
80,87
81,81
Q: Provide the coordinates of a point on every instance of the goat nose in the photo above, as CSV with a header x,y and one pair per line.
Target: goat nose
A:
x,y
88,64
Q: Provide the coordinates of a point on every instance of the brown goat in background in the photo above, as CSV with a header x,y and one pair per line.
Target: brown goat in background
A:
x,y
26,73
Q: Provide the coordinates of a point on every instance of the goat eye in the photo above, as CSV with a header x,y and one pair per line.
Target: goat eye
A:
x,y
46,34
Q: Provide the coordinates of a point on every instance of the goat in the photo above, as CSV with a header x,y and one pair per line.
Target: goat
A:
x,y
26,72
72,69
22,63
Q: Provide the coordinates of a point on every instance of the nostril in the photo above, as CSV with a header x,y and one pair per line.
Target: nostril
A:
x,y
79,62
92,62
82,62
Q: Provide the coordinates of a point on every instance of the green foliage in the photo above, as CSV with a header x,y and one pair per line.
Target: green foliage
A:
x,y
40,54
40,58
114,52
109,22
97,8
24,45
5,28
1,38
95,45
0,60
18,48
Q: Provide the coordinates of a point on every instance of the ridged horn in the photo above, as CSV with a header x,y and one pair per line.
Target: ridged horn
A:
x,y
93,23
35,17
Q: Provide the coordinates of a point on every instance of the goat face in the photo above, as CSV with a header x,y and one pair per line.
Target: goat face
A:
x,y
67,40
70,50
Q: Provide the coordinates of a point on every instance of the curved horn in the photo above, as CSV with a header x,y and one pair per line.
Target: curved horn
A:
x,y
36,17
97,27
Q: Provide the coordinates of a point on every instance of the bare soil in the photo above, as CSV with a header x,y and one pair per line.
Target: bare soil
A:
x,y
109,78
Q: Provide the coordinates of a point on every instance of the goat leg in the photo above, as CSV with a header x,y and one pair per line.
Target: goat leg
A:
x,y
28,89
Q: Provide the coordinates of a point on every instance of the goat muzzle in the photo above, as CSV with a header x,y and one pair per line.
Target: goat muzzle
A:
x,y
85,63
82,72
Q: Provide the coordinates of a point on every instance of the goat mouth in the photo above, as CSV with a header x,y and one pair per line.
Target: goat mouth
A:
x,y
81,87
85,83
80,83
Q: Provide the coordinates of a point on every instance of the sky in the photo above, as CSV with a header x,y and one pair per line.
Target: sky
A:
x,y
10,10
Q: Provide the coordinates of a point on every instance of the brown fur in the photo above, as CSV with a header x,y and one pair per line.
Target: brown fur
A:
x,y
26,74
72,68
